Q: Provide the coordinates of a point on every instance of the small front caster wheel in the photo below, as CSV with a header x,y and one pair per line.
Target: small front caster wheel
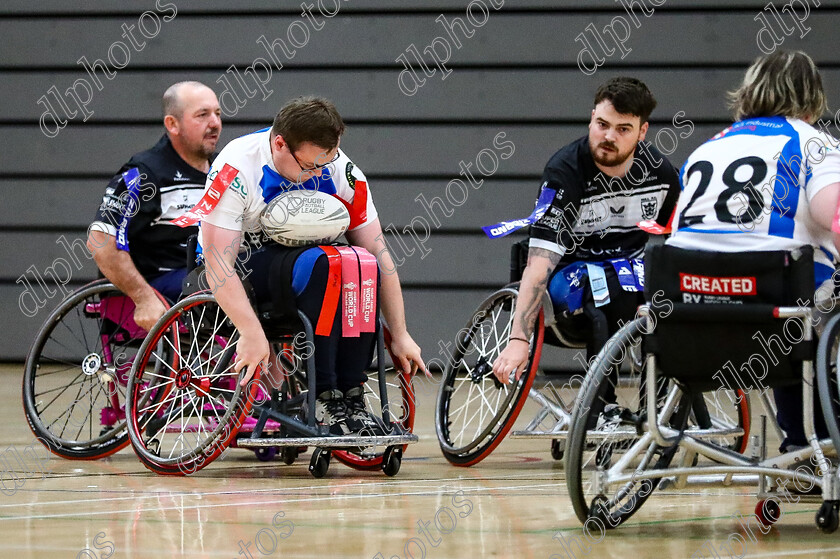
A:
x,y
320,462
827,517
392,460
557,449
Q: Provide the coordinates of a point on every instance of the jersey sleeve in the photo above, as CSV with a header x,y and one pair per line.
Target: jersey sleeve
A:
x,y
115,212
553,230
822,163
672,177
357,195
229,211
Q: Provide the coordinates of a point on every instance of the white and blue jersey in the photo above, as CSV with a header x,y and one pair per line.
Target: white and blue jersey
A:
x,y
749,189
256,182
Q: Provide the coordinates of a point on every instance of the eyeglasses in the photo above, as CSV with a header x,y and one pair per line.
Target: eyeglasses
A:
x,y
315,167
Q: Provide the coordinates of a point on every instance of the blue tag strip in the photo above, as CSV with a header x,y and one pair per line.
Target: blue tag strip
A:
x,y
631,273
132,184
508,227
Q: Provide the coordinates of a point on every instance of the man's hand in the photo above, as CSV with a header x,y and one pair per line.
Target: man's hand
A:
x,y
252,351
148,311
406,353
513,358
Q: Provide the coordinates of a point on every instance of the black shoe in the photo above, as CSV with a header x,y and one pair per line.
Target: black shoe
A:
x,y
360,421
331,411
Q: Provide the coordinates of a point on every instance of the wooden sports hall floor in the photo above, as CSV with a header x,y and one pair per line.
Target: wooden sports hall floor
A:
x,y
513,505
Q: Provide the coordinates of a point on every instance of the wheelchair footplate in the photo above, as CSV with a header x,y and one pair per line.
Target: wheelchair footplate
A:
x,y
275,432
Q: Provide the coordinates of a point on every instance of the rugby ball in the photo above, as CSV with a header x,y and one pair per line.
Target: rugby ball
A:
x,y
304,217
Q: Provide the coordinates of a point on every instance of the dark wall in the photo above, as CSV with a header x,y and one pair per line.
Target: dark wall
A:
x,y
516,79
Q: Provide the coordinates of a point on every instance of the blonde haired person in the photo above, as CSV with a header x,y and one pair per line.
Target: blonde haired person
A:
x,y
768,182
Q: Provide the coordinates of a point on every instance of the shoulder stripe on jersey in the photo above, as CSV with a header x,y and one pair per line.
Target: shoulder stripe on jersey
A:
x,y
184,186
208,202
132,184
715,231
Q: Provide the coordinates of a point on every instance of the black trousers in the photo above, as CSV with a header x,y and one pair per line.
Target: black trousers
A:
x,y
340,362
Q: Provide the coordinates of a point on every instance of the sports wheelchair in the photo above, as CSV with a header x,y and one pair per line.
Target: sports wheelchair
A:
x,y
76,372
475,411
686,341
183,417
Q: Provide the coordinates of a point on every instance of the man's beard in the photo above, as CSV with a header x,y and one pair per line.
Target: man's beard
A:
x,y
205,151
612,159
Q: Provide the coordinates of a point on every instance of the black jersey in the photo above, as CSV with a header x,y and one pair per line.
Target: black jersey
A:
x,y
593,216
169,186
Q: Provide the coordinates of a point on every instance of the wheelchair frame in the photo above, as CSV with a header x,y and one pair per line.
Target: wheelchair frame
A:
x,y
730,467
294,432
552,419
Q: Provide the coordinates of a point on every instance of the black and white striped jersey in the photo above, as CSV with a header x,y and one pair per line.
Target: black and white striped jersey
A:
x,y
592,216
169,187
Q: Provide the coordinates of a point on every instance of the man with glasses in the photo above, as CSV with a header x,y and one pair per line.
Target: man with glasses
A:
x,y
300,151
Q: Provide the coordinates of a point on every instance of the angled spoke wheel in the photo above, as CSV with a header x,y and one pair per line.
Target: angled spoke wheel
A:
x,y
474,410
76,373
182,417
604,434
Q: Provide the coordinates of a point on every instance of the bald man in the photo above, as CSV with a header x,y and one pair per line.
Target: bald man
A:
x,y
133,240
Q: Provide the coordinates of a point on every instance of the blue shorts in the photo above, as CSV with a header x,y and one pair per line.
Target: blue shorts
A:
x,y
169,283
567,286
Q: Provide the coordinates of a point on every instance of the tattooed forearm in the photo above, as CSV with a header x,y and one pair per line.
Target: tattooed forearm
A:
x,y
541,263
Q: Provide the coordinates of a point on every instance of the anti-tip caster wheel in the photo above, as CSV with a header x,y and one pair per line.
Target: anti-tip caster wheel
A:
x,y
320,462
289,455
392,460
557,449
768,512
603,456
154,446
599,510
266,453
827,517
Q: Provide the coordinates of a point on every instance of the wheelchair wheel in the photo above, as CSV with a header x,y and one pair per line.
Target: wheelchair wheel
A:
x,y
76,372
183,417
474,410
605,424
730,410
828,377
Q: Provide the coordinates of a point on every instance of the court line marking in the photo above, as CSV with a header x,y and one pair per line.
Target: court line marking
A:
x,y
283,501
363,483
796,552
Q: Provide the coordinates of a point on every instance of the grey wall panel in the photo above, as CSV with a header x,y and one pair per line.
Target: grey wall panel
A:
x,y
495,200
18,330
357,39
454,260
22,249
245,6
505,94
46,7
60,41
49,203
400,150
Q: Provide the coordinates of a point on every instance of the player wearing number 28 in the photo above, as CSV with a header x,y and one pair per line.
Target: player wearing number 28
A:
x,y
771,180
768,182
